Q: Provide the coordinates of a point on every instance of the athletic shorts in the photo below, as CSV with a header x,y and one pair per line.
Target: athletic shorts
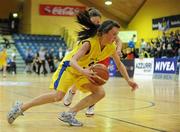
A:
x,y
63,79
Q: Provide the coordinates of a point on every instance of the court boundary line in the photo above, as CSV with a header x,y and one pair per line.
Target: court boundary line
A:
x,y
128,122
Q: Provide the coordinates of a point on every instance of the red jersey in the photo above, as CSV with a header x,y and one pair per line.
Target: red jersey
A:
x,y
105,61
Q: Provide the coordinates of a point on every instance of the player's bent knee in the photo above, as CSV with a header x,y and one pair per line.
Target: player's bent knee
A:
x,y
101,94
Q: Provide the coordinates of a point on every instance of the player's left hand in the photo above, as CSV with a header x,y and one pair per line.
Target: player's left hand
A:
x,y
133,85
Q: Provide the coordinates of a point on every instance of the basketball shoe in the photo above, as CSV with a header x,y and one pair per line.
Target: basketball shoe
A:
x,y
68,98
69,117
14,112
90,111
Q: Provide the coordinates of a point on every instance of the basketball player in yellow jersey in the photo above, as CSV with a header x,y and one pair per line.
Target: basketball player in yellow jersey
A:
x,y
74,69
3,61
88,19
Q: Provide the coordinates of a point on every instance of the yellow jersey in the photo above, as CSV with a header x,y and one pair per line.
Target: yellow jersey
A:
x,y
3,58
95,54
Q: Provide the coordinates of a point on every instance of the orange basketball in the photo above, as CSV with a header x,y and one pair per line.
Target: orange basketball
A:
x,y
102,74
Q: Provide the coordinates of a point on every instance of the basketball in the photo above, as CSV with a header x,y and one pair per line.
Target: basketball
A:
x,y
102,74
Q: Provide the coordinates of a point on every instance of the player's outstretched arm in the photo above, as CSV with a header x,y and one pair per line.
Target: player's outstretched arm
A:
x,y
123,71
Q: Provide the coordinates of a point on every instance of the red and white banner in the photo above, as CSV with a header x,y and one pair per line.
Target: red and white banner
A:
x,y
59,10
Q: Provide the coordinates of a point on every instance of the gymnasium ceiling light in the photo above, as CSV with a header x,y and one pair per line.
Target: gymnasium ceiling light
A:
x,y
15,15
108,2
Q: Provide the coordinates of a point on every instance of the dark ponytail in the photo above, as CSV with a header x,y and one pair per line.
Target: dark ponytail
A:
x,y
89,29
93,12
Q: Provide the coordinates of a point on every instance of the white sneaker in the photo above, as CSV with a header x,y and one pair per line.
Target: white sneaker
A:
x,y
14,112
68,98
90,111
69,117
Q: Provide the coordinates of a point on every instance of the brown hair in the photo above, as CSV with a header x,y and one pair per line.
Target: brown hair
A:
x,y
106,26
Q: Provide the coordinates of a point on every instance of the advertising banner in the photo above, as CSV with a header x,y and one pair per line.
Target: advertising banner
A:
x,y
112,68
165,23
144,67
165,65
129,64
59,10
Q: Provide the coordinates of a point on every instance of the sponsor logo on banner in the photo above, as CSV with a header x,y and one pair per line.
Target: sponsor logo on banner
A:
x,y
165,65
59,10
164,23
144,66
112,68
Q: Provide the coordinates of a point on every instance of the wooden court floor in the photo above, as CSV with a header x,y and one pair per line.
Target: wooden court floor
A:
x,y
154,107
